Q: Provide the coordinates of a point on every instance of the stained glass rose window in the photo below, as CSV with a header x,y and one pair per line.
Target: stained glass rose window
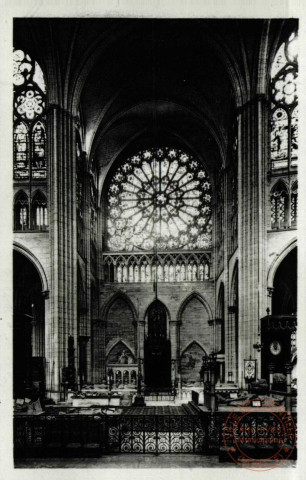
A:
x,y
159,198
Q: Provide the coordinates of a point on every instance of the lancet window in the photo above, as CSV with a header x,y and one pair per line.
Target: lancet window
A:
x,y
284,105
29,118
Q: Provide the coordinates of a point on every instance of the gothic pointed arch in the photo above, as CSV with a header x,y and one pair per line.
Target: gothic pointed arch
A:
x,y
28,327
279,204
194,322
201,299
39,210
157,320
194,342
121,342
119,318
278,260
120,352
116,296
29,118
284,105
41,271
284,297
161,304
21,211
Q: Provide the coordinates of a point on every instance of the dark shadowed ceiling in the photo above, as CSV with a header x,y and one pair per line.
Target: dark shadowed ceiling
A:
x,y
141,82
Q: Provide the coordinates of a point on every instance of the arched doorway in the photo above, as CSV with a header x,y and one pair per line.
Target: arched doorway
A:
x,y
284,299
28,329
278,330
157,348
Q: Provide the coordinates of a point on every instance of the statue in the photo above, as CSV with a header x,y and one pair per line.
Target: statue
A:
x,y
122,357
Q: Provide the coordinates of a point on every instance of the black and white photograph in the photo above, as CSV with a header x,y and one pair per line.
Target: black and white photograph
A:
x,y
154,169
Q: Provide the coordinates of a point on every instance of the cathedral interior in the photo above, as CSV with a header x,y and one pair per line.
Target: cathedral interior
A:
x,y
155,205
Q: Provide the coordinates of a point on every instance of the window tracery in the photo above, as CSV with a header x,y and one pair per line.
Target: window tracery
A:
x,y
294,203
159,198
279,205
21,211
29,118
40,212
174,267
284,109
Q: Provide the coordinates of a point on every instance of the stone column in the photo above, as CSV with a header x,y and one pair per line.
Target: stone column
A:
x,y
173,334
141,338
47,333
212,336
252,183
63,246
87,236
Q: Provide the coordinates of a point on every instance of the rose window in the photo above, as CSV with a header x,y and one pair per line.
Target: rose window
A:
x,y
159,199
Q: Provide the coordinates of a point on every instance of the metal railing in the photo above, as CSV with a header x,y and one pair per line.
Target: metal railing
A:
x,y
83,435
62,435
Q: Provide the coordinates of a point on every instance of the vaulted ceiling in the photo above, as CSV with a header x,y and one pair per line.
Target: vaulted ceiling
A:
x,y
140,81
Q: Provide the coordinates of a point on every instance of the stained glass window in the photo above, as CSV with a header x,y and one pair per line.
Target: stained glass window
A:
x,y
284,110
159,198
294,203
29,118
38,151
40,212
21,151
21,211
279,200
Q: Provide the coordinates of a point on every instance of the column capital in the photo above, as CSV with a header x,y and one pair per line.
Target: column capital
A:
x,y
259,97
54,106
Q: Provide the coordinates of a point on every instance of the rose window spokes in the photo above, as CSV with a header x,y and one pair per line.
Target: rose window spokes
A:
x,y
30,104
284,89
160,198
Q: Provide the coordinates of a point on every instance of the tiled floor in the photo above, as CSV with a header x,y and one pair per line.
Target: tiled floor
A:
x,y
132,461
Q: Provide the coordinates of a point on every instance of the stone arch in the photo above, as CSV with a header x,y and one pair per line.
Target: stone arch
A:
x,y
29,339
114,349
193,318
194,342
280,183
164,306
200,298
220,301
116,342
278,260
120,321
215,42
284,297
109,303
27,253
234,286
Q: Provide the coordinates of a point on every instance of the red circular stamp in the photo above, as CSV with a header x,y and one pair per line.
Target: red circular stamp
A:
x,y
259,434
